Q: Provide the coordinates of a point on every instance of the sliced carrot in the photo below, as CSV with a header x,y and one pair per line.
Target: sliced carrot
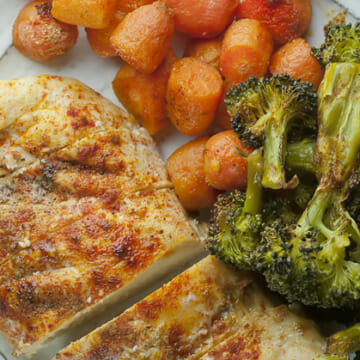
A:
x,y
99,39
206,50
143,38
145,95
95,14
186,170
127,6
193,93
246,51
224,168
202,18
295,59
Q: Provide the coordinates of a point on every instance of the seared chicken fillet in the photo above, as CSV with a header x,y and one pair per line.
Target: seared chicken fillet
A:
x,y
207,312
87,213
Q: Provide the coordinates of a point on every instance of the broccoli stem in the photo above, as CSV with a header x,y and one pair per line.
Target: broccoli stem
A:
x,y
345,341
253,202
300,156
274,152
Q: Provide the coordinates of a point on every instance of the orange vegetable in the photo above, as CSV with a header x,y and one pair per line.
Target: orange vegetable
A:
x,y
95,14
294,58
246,51
286,19
202,18
186,170
143,38
127,6
193,93
206,50
99,39
37,35
222,118
144,95
224,168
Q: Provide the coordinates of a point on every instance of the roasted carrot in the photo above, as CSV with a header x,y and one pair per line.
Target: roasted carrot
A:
x,y
95,14
202,18
186,170
99,39
224,168
193,93
286,19
246,51
127,6
206,50
145,95
295,59
143,38
222,118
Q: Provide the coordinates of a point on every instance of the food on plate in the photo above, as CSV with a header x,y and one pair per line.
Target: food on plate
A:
x,y
193,94
95,14
225,168
341,44
127,6
37,35
202,18
269,112
222,117
99,39
286,19
144,95
186,170
88,215
143,38
208,312
295,59
312,256
238,218
245,51
206,50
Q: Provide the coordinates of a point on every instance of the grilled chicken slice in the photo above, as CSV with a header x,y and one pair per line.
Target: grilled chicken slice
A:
x,y
207,312
184,319
87,213
274,334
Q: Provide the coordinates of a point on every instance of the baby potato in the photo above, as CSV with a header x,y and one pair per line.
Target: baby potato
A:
x,y
37,35
285,19
186,171
193,93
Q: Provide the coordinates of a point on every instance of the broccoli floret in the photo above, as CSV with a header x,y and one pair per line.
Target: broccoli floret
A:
x,y
342,44
317,259
236,220
344,342
331,357
300,156
266,112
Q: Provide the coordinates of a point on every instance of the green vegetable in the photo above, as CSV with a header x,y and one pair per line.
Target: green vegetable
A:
x,y
269,111
342,44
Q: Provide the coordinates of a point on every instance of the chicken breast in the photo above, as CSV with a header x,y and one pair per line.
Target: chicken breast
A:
x,y
208,312
87,213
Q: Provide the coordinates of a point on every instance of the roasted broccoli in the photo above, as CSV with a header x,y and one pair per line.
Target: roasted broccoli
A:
x,y
266,112
317,259
342,44
238,218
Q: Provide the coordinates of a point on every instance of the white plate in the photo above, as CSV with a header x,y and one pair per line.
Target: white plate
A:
x,y
82,63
